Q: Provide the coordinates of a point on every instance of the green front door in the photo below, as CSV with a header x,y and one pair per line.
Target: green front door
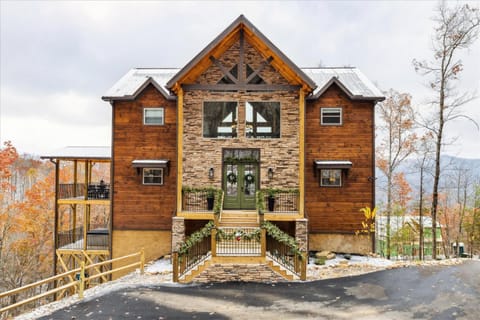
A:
x,y
240,185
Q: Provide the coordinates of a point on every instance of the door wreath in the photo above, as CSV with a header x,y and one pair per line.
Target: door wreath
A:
x,y
249,178
232,178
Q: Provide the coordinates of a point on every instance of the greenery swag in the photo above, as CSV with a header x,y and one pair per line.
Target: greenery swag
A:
x,y
238,235
282,237
195,238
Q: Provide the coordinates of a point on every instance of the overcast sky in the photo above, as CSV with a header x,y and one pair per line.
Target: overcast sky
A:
x,y
57,58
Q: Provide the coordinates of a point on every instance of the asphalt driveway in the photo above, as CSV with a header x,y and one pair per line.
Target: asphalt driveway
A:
x,y
431,292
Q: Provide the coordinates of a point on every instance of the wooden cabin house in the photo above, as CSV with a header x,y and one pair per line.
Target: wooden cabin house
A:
x,y
267,140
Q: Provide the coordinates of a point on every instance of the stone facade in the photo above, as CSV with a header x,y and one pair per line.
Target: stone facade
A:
x,y
301,234
178,232
239,272
200,154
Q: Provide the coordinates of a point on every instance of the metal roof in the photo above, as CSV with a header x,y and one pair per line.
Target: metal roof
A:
x,y
81,153
145,163
133,83
333,164
355,84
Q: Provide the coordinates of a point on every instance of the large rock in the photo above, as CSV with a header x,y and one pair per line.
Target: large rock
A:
x,y
328,255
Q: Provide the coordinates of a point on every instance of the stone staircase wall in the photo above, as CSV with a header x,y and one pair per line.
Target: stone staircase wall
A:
x,y
239,272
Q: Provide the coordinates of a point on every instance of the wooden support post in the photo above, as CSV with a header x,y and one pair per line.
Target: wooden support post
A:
x,y
142,261
303,275
175,266
263,242
179,148
301,173
81,284
214,242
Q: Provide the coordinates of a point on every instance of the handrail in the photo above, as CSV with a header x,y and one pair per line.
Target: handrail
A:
x,y
195,249
284,250
79,283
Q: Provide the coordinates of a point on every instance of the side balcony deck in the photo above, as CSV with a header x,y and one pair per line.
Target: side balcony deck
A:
x,y
76,193
96,239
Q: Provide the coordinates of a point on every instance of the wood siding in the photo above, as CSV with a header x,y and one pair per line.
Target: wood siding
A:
x,y
137,206
336,209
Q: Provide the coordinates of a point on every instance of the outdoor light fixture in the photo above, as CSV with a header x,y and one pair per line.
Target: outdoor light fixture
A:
x,y
270,173
210,173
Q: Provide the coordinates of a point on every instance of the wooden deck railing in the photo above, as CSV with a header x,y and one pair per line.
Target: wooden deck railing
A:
x,y
238,241
35,294
98,238
201,199
77,190
278,201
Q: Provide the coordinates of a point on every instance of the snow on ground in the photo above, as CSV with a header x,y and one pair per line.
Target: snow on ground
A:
x,y
160,272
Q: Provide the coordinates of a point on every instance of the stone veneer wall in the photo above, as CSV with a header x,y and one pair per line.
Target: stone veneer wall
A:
x,y
301,234
200,154
178,232
239,272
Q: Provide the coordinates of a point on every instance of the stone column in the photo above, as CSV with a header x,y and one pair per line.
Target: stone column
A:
x,y
301,234
178,232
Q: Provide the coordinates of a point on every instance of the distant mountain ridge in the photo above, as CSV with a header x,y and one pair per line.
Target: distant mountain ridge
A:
x,y
412,174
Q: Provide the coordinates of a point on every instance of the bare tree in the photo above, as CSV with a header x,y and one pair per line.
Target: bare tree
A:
x,y
456,28
425,149
397,117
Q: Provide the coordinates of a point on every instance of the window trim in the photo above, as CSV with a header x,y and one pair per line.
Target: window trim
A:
x,y
153,184
245,121
331,185
335,109
153,108
236,117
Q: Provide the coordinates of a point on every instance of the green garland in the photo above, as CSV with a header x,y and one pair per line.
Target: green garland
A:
x,y
282,237
195,238
217,206
242,235
260,202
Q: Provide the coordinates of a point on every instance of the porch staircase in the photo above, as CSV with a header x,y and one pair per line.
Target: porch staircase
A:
x,y
212,262
241,260
239,218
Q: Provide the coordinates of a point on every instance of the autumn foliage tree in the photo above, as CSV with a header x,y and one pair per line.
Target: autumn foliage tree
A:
x,y
456,29
26,218
398,142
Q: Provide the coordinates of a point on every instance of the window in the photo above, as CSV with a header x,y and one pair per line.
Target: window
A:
x,y
153,116
262,120
152,175
219,119
331,177
331,116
